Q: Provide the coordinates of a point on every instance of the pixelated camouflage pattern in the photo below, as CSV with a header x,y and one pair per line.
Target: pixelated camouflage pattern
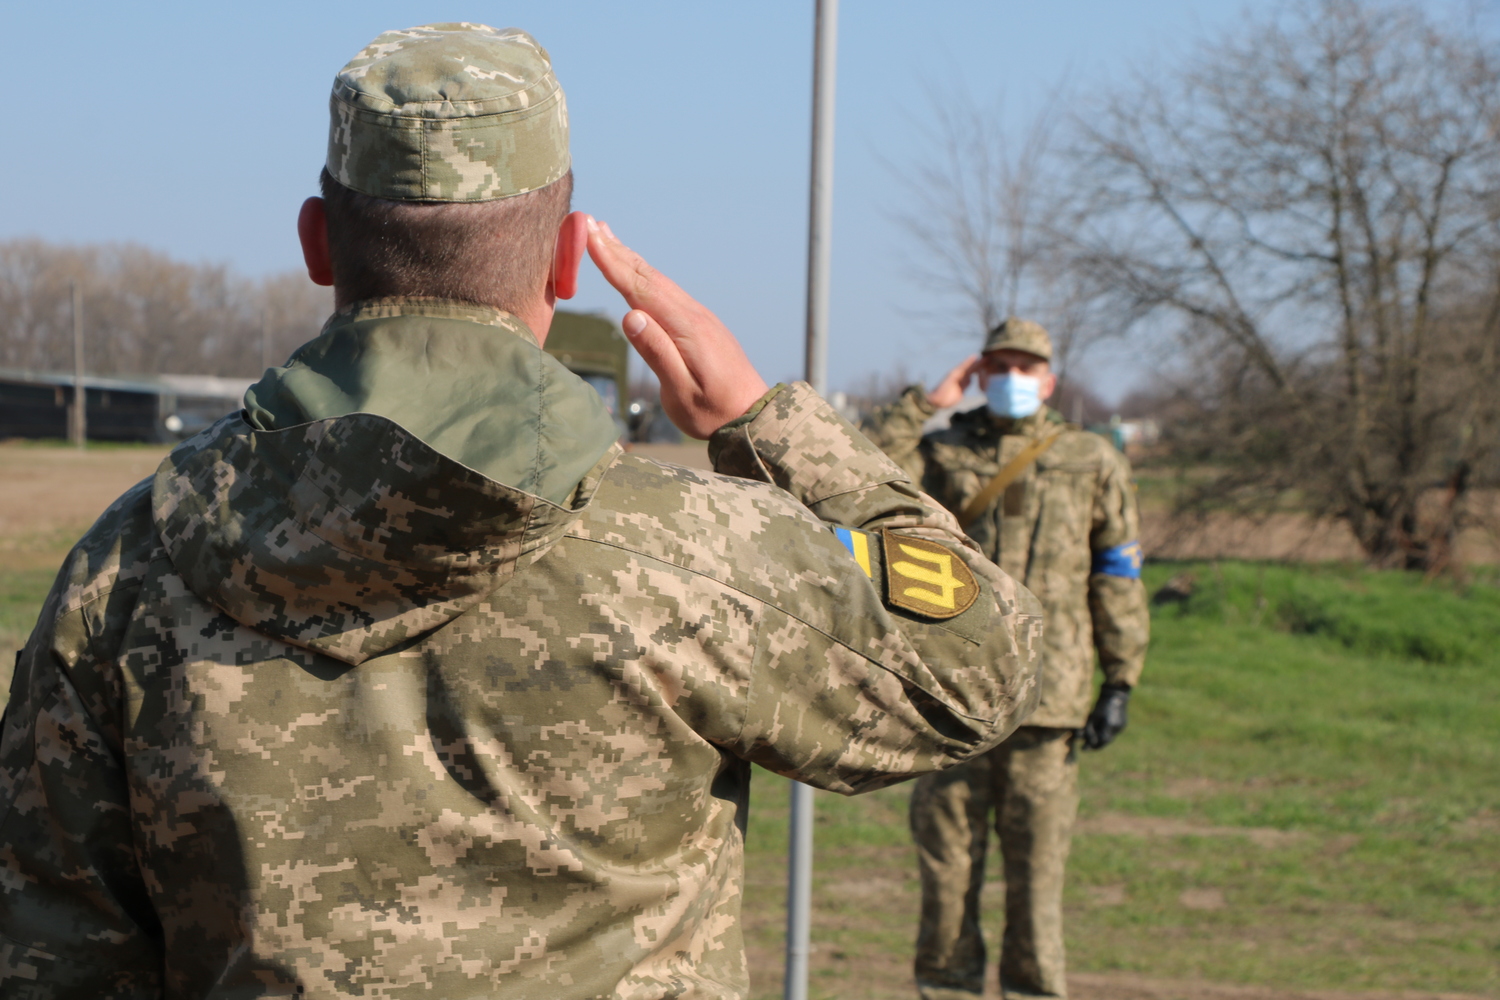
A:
x,y
1075,500
448,112
509,756
1015,334
1029,785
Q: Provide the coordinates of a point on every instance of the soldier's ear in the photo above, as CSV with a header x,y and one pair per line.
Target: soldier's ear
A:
x,y
1049,384
312,231
572,244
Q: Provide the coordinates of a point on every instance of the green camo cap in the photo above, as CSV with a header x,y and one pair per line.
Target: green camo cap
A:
x,y
448,112
1019,335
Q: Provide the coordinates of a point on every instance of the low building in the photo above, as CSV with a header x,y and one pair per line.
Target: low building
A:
x,y
157,408
166,408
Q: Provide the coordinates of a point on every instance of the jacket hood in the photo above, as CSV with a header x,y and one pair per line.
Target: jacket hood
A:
x,y
402,466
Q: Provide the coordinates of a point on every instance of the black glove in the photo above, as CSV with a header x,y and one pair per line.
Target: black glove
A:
x,y
1107,720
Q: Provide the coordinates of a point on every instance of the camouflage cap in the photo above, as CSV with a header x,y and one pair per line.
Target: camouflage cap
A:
x,y
1015,334
448,112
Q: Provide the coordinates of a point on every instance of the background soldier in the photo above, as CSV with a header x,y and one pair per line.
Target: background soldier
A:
x,y
1054,506
406,681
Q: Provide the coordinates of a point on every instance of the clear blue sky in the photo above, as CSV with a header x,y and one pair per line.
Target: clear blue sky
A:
x,y
197,129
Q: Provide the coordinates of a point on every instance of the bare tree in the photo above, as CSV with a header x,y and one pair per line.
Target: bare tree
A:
x,y
1310,205
980,223
145,313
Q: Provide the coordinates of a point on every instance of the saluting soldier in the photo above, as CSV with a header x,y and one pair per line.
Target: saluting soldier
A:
x,y
405,681
1053,505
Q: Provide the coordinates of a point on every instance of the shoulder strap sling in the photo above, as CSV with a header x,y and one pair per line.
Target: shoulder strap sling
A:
x,y
1004,478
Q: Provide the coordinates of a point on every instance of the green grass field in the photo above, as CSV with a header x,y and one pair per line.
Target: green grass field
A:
x,y
1306,798
22,589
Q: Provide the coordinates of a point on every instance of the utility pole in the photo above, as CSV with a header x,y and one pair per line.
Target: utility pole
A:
x,y
265,343
820,202
819,244
78,426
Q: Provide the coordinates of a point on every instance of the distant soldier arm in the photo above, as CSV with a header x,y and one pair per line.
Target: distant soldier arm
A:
x,y
896,429
863,693
1117,599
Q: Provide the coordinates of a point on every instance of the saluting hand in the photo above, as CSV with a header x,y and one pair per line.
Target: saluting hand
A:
x,y
954,384
706,379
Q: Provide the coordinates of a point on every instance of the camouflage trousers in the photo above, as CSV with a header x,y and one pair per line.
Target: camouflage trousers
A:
x,y
1030,784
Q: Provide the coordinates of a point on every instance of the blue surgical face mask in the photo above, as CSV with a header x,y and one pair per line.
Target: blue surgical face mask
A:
x,y
1014,395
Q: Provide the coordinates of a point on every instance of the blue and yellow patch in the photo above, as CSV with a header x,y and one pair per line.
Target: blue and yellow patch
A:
x,y
920,575
858,544
1122,560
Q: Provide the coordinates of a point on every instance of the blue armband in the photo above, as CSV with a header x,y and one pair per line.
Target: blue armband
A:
x,y
1122,560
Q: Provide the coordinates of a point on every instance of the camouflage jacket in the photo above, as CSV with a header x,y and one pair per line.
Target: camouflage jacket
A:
x,y
325,710
1067,529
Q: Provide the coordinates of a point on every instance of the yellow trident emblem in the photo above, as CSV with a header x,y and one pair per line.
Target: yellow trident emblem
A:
x,y
941,578
931,580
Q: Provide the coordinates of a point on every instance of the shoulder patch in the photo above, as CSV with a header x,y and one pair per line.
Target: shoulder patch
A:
x,y
858,544
1122,560
926,577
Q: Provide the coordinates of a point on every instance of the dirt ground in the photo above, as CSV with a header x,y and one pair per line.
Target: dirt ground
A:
x,y
50,495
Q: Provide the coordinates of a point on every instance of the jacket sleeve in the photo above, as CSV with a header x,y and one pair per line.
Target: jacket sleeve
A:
x,y
850,692
896,429
1117,598
75,919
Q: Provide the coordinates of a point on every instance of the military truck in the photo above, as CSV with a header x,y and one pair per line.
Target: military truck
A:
x,y
593,348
